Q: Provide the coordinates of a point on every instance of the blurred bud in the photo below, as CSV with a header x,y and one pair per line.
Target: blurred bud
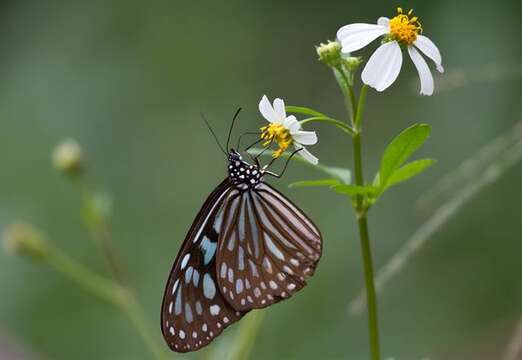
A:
x,y
98,208
330,53
68,157
352,63
24,240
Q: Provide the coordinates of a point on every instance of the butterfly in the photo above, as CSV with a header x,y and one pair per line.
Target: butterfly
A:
x,y
248,248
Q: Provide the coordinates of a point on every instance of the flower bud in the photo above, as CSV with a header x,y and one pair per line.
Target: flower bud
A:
x,y
330,53
24,240
68,157
352,63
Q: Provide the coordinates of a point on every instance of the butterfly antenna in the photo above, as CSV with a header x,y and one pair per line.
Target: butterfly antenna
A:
x,y
213,133
232,125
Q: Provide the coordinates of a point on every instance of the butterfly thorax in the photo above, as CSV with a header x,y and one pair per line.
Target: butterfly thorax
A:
x,y
241,173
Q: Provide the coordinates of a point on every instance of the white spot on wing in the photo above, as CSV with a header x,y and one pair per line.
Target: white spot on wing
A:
x,y
185,261
239,286
273,248
188,313
209,288
199,308
223,270
214,310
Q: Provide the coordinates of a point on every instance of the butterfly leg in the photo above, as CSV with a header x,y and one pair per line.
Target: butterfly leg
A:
x,y
284,168
246,133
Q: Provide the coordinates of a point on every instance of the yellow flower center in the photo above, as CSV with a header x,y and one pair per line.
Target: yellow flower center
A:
x,y
279,134
405,27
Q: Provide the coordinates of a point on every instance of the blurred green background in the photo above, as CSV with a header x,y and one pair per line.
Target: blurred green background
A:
x,y
128,79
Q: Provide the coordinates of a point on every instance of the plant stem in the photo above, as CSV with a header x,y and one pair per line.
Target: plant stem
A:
x,y
99,229
362,221
137,317
247,335
373,325
106,290
98,286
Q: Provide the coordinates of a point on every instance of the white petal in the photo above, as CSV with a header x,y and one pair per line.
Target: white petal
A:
x,y
383,21
425,76
430,50
291,124
383,67
305,137
356,36
279,109
265,108
306,154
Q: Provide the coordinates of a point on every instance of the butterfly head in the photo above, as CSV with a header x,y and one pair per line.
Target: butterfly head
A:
x,y
242,174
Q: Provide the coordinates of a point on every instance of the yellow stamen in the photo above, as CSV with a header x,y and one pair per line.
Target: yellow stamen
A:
x,y
405,28
279,134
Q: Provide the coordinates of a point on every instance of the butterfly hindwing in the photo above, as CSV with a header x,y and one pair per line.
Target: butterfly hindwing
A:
x,y
266,250
193,310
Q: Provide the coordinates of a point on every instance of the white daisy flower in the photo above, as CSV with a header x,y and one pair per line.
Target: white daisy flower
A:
x,y
285,130
383,67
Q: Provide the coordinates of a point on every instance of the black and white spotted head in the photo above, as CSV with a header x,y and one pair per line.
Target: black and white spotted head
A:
x,y
242,174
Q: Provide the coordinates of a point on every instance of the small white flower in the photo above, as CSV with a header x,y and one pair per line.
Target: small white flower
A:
x,y
383,67
285,130
68,156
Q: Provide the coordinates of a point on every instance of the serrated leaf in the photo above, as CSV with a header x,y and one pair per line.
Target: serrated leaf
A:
x,y
401,148
354,190
314,183
303,110
408,171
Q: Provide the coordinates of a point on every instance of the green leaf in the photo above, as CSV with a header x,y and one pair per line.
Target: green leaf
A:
x,y
304,110
313,183
343,174
354,190
408,171
401,148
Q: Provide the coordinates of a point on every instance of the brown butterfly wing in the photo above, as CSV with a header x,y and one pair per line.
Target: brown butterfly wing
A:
x,y
266,251
194,311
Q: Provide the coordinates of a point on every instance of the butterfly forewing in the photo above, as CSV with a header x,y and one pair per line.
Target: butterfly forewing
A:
x,y
266,251
194,311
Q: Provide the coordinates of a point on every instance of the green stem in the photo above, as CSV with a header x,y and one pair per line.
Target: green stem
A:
x,y
100,230
106,290
98,286
360,107
362,222
247,334
373,324
341,125
138,318
347,90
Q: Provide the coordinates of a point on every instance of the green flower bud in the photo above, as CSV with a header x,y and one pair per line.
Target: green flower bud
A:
x,y
352,63
68,157
24,240
330,53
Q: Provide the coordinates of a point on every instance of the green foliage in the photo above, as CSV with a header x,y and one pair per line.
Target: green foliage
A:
x,y
315,183
354,190
401,148
392,170
408,171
